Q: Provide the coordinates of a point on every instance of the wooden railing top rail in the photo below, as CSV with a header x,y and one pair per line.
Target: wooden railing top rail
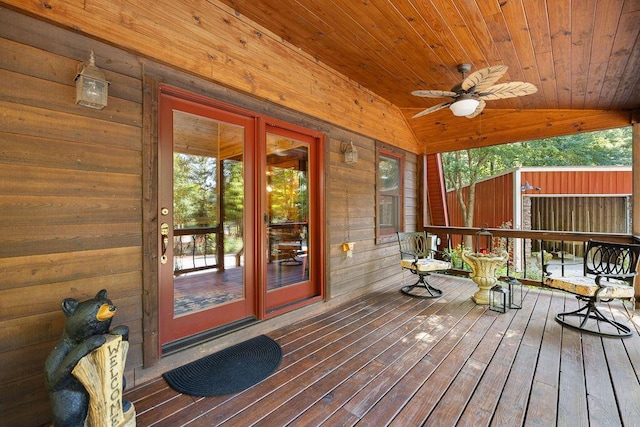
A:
x,y
196,230
568,236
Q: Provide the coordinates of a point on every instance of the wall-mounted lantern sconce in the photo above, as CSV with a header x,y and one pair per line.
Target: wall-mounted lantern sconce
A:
x,y
527,187
92,88
350,153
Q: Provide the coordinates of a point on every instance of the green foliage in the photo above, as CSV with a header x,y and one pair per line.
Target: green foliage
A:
x,y
233,196
233,200
388,173
195,190
289,197
466,167
456,257
603,148
232,244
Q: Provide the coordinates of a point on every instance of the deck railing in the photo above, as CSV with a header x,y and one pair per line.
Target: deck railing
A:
x,y
531,252
197,248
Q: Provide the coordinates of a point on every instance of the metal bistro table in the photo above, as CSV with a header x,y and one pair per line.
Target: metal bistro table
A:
x,y
483,272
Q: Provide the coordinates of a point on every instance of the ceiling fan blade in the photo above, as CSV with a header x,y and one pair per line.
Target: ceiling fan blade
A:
x,y
484,78
508,90
433,93
478,110
433,109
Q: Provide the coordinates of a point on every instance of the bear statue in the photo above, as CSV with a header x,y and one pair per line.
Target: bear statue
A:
x,y
86,329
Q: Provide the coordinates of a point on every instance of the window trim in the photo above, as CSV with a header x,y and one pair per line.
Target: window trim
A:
x,y
384,150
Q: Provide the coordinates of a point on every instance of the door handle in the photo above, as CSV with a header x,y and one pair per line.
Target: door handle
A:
x,y
164,242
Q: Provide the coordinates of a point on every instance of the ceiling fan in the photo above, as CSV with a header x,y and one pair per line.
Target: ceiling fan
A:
x,y
469,96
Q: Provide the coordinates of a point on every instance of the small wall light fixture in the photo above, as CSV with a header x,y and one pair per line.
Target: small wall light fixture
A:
x,y
527,187
350,153
92,88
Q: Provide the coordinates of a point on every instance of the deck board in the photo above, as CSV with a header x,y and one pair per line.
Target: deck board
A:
x,y
572,395
389,359
512,405
542,408
627,392
499,352
431,392
599,387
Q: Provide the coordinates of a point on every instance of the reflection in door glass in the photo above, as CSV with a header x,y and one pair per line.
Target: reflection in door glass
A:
x,y
288,211
208,213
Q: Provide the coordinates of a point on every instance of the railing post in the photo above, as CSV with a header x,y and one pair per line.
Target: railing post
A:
x,y
562,256
543,262
220,247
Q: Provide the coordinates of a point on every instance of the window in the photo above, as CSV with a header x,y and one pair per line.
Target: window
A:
x,y
389,194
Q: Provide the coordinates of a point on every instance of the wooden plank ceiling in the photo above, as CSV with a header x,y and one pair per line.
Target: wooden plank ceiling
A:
x,y
582,55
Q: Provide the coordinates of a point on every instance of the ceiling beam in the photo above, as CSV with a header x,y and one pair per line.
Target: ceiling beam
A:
x,y
442,131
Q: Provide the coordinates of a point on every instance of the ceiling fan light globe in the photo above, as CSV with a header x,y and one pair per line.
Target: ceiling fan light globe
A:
x,y
464,106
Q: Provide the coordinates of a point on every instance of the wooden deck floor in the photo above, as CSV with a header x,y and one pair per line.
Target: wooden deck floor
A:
x,y
389,359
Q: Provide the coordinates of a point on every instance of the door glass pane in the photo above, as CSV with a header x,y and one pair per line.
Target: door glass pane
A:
x,y
287,196
208,213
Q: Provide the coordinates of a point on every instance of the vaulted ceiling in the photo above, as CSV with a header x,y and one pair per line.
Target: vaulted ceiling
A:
x,y
582,55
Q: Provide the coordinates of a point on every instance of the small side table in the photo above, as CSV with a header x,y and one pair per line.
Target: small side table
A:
x,y
483,272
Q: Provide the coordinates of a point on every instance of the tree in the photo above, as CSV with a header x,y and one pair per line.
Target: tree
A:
x,y
463,168
233,201
288,196
195,190
467,167
233,196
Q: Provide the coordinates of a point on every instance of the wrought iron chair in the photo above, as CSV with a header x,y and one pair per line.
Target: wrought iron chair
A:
x,y
610,270
417,257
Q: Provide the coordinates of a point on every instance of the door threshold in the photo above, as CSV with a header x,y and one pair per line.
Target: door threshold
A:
x,y
193,340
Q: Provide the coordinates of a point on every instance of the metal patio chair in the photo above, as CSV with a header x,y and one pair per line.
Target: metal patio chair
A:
x,y
417,257
610,270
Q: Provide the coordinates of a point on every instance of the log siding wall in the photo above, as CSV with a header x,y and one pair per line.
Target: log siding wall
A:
x,y
212,41
70,204
72,196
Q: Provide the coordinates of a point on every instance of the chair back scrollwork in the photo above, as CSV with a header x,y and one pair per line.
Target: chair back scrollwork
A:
x,y
619,261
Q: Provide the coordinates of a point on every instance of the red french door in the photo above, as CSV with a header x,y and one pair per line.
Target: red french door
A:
x,y
292,212
240,235
204,175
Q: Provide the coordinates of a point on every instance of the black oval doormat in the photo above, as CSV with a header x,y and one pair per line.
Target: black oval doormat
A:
x,y
231,370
